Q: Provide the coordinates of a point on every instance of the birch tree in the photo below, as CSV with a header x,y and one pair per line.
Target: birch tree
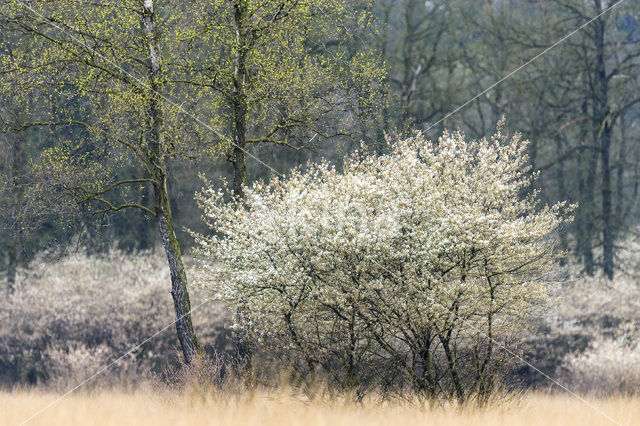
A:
x,y
108,61
288,73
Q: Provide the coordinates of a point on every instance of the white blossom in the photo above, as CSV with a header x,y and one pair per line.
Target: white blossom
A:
x,y
431,236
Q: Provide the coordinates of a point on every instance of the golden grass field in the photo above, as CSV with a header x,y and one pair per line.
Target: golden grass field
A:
x,y
152,408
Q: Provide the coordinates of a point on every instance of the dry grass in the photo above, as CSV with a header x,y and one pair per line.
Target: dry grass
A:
x,y
153,408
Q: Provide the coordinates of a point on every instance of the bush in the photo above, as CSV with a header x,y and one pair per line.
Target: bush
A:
x,y
69,319
607,367
399,271
588,335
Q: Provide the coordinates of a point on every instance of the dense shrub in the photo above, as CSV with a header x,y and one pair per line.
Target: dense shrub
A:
x,y
608,366
70,318
588,335
403,268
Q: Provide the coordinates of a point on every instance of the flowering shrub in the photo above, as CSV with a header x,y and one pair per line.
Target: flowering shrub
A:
x,y
415,260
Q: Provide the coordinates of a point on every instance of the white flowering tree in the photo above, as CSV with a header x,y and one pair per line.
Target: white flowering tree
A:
x,y
420,258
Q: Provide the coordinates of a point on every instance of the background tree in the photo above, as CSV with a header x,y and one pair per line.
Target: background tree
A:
x,y
438,55
557,100
25,230
417,40
607,60
588,92
291,73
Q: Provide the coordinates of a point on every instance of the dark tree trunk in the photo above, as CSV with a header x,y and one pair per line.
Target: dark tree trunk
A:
x,y
17,224
407,61
182,305
588,205
239,161
144,230
12,264
239,101
620,213
485,377
453,368
351,361
589,210
602,134
13,249
564,244
580,221
239,167
426,380
607,213
381,144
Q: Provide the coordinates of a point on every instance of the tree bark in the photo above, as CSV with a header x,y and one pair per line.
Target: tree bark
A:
x,y
13,250
453,368
12,263
620,213
239,101
243,352
144,229
351,379
602,134
607,214
588,207
426,380
182,305
564,243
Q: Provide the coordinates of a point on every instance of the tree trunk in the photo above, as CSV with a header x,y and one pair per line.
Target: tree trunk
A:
x,y
17,192
602,133
144,229
485,378
12,263
381,145
453,368
408,56
607,214
564,243
182,305
239,101
579,222
240,135
621,209
351,361
426,380
588,205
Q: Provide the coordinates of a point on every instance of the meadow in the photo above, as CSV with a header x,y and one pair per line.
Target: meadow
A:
x,y
583,340
265,408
